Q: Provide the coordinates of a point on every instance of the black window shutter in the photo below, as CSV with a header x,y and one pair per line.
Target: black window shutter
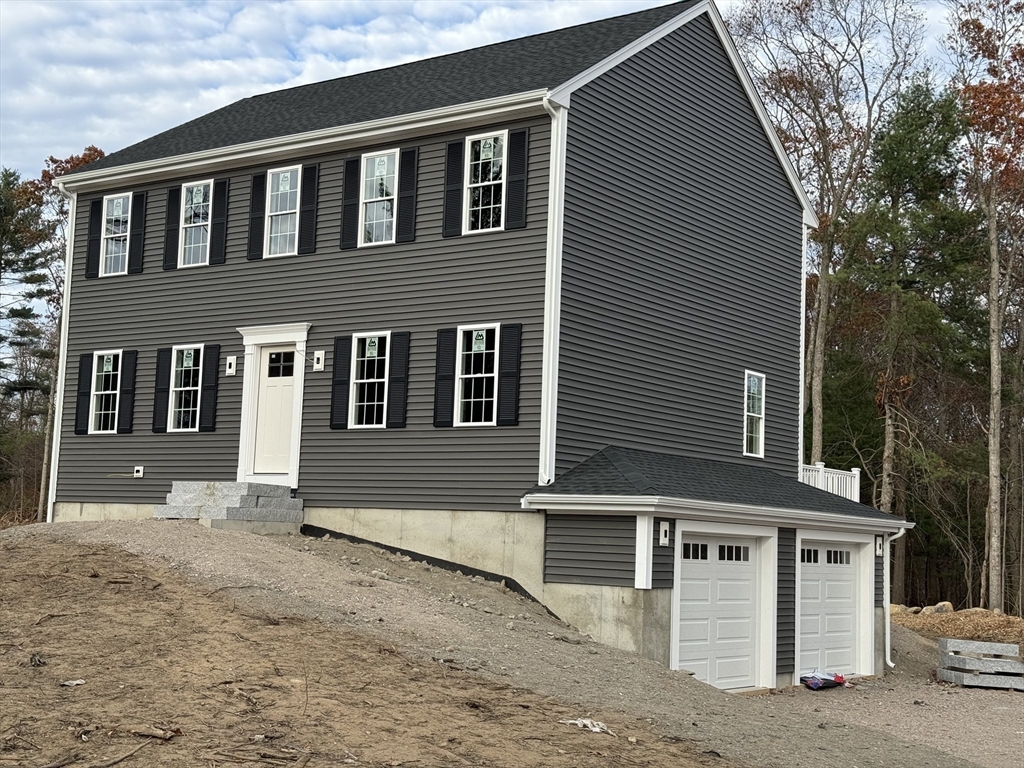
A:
x,y
405,231
92,248
515,195
172,223
340,381
508,375
307,209
444,378
162,392
126,395
350,206
208,396
84,394
219,223
137,235
398,379
453,189
257,216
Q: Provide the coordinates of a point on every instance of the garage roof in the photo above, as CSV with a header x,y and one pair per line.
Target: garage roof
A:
x,y
616,471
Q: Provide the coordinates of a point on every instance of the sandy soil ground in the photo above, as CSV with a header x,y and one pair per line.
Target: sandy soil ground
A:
x,y
294,651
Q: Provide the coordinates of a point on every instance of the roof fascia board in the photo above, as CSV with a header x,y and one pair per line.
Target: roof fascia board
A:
x,y
562,94
705,510
516,105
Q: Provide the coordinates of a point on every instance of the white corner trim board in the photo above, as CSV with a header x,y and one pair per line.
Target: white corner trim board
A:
x,y
644,551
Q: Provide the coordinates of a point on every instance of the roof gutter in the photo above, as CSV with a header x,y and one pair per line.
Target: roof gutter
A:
x,y
514,105
696,509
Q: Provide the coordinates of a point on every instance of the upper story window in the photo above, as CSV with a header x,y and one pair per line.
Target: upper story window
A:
x,y
186,381
476,373
377,198
753,439
106,384
116,220
369,379
196,200
283,211
485,182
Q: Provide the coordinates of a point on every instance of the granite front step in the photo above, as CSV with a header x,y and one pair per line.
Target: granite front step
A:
x,y
230,489
255,514
175,512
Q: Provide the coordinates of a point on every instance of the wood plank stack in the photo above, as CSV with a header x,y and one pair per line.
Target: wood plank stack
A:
x,y
981,665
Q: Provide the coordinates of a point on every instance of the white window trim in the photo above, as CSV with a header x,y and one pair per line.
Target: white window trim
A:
x,y
170,401
465,181
362,201
92,390
104,236
182,225
746,413
458,422
267,214
352,380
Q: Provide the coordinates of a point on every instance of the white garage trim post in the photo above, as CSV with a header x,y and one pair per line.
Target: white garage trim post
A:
x,y
644,551
767,575
864,583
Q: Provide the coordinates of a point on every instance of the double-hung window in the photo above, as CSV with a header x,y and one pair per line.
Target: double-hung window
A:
x,y
283,211
485,182
476,375
186,383
377,198
196,200
116,220
106,384
753,438
369,379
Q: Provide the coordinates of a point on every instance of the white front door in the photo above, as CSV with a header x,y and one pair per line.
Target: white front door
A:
x,y
828,616
718,610
275,406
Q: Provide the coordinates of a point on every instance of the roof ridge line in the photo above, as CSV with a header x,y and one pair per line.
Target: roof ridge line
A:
x,y
628,469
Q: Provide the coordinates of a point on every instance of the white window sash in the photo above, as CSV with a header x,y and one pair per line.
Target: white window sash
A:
x,y
269,217
460,377
354,382
363,201
93,392
185,227
466,186
747,413
173,389
105,238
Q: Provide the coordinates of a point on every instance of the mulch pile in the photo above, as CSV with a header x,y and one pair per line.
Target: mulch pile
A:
x,y
970,624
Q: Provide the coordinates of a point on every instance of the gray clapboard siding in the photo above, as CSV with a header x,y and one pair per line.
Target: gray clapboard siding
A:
x,y
590,549
879,582
671,291
663,559
417,287
785,634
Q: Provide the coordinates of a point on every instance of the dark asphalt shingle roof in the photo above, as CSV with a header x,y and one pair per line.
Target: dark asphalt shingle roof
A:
x,y
616,471
515,66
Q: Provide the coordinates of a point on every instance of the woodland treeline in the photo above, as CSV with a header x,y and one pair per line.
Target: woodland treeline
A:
x,y
914,367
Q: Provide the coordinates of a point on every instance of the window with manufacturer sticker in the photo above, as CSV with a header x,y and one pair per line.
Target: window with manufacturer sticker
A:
x,y
116,219
186,378
733,553
106,382
477,374
485,188
369,380
694,551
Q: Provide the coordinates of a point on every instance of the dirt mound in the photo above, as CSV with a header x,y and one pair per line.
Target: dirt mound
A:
x,y
970,624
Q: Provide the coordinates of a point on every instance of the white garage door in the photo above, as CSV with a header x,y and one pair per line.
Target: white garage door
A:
x,y
718,610
828,628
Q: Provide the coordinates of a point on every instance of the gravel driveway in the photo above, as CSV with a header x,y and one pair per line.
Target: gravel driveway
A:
x,y
903,721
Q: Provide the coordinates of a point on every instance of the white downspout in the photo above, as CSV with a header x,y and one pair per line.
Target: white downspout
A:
x,y
888,597
62,363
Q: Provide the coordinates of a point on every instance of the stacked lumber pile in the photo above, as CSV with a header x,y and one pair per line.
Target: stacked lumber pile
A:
x,y
981,665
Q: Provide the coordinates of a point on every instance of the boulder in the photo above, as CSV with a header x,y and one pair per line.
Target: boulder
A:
x,y
944,607
974,610
893,608
928,610
914,610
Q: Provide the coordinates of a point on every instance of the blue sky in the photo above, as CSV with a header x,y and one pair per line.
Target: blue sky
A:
x,y
112,72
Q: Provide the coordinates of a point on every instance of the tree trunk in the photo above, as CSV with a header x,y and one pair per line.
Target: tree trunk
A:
x,y
44,474
994,543
821,305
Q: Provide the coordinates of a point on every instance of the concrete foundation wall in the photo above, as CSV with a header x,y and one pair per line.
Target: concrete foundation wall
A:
x,y
509,544
67,511
880,668
632,619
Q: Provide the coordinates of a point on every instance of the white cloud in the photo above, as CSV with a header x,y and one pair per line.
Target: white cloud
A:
x,y
112,73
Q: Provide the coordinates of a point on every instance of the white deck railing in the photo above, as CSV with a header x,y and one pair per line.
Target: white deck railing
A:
x,y
837,481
